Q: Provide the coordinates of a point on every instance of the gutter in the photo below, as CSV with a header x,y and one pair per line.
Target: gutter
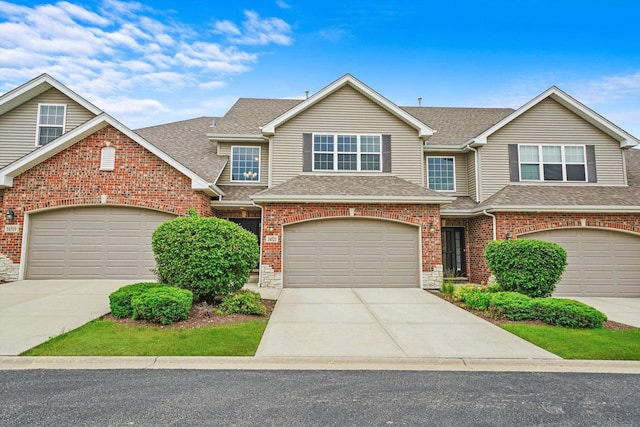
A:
x,y
351,199
493,217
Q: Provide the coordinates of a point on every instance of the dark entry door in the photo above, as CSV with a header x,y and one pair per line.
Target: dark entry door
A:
x,y
453,252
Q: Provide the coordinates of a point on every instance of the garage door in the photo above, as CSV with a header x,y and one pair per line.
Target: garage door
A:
x,y
92,242
351,253
599,262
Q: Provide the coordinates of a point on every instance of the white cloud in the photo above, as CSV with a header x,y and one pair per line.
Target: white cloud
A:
x,y
256,31
127,47
283,5
609,88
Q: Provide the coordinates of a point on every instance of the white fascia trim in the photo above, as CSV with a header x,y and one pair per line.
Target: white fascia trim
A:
x,y
352,199
47,79
231,203
583,209
237,138
625,139
424,131
445,148
89,127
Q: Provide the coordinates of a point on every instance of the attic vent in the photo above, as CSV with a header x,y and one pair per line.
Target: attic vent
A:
x,y
107,159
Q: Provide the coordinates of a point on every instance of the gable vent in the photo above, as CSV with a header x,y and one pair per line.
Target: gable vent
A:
x,y
107,159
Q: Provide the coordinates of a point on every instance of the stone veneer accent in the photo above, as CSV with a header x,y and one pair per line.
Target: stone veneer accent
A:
x,y
73,178
281,214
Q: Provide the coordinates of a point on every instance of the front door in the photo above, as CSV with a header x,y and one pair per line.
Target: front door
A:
x,y
453,252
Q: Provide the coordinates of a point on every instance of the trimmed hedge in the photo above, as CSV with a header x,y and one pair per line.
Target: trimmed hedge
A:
x,y
568,313
512,305
120,300
208,256
528,266
244,302
516,306
163,305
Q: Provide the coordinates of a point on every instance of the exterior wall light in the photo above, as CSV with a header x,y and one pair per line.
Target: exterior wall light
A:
x,y
508,236
10,215
270,229
432,228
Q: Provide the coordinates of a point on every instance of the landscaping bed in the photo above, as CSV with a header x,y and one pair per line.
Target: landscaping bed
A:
x,y
608,324
201,315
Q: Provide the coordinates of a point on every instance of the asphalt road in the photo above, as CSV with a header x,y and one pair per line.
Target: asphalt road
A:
x,y
315,398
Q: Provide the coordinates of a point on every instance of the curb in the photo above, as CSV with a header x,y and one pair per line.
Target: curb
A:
x,y
15,363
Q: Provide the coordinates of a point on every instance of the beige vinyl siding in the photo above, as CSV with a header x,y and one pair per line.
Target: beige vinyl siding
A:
x,y
460,161
224,149
18,127
348,111
471,175
547,123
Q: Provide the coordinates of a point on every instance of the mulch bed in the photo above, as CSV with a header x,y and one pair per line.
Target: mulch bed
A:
x,y
201,315
609,324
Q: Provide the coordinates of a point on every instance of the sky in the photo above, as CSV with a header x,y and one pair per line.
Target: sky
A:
x,y
154,62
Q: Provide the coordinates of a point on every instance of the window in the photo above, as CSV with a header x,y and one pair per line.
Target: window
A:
x,y
347,152
50,122
245,164
553,163
441,173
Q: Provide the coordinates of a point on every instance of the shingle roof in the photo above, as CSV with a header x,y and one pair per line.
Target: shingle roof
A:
x,y
346,187
186,141
533,196
248,114
240,193
455,126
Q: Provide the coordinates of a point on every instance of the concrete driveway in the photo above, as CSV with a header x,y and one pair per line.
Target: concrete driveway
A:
x,y
384,323
32,311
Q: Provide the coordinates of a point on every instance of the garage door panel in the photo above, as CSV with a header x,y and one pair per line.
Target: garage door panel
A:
x,y
599,262
92,242
351,252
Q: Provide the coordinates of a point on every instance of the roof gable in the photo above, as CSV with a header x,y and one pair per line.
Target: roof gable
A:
x,y
88,128
37,86
424,131
625,139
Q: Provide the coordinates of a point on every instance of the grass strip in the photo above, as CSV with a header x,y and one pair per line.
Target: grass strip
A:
x,y
104,338
584,344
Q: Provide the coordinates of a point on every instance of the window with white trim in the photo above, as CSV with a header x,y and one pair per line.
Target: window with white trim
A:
x,y
51,119
245,164
347,152
441,173
552,163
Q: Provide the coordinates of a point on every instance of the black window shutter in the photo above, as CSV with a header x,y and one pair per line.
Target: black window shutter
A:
x,y
514,167
307,152
386,153
591,163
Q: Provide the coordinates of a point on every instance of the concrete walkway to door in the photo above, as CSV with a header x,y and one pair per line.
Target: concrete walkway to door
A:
x,y
384,323
32,311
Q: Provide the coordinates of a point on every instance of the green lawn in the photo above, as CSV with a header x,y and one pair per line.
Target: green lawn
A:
x,y
588,344
104,338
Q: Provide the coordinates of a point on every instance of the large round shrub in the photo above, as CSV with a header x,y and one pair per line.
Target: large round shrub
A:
x,y
208,256
531,267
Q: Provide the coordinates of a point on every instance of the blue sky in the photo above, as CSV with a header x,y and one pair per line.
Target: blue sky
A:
x,y
153,62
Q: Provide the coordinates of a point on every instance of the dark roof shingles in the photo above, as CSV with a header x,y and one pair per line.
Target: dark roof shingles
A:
x,y
186,141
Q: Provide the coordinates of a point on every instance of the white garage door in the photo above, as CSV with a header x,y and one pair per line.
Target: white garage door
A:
x,y
92,242
599,262
350,252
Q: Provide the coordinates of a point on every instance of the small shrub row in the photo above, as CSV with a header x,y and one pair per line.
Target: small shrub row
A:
x,y
120,300
163,305
515,306
244,302
156,302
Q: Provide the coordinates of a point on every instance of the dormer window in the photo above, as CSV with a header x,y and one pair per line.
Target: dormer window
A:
x,y
51,118
336,152
245,164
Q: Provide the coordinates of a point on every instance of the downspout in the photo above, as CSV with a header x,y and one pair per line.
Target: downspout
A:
x,y
493,217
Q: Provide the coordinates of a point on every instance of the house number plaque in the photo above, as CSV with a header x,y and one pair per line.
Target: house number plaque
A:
x,y
12,228
271,239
